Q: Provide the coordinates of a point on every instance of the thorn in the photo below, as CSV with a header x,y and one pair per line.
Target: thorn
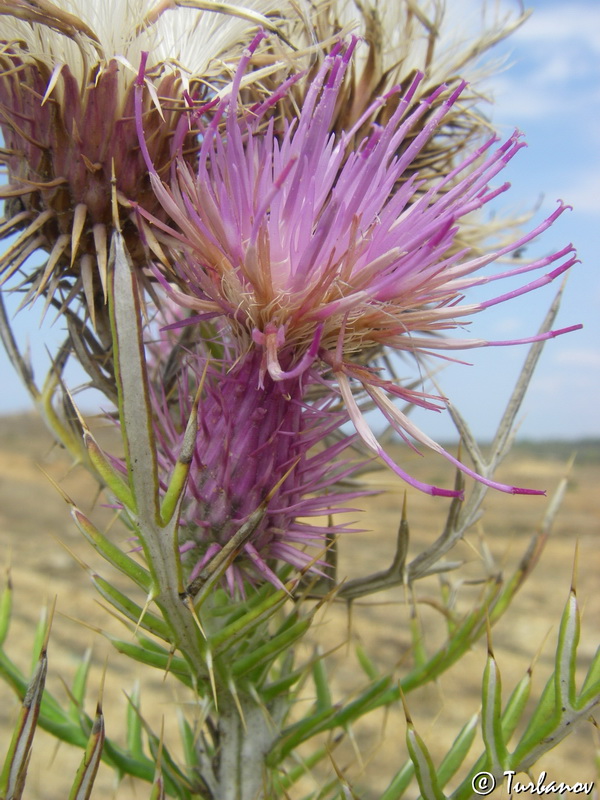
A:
x,y
61,491
238,705
211,673
79,216
575,569
190,604
49,626
169,662
149,599
489,636
405,706
113,197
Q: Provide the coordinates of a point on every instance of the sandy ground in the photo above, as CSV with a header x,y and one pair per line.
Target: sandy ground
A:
x,y
39,542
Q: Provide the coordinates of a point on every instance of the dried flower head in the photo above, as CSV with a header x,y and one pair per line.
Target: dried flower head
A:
x,y
400,39
66,106
313,257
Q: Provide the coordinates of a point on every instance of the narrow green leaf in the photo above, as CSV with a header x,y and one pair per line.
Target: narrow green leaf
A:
x,y
369,668
424,769
135,740
458,752
78,686
143,618
400,782
111,553
280,686
14,772
267,653
321,684
515,706
161,660
177,781
566,655
107,473
293,774
327,719
541,721
135,410
244,624
40,639
178,480
491,715
188,740
158,787
88,769
591,682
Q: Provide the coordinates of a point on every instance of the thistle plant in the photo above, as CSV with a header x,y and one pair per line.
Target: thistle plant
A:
x,y
255,265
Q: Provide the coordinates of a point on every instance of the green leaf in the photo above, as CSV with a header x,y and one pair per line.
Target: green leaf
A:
x,y
88,769
12,779
267,653
491,716
458,752
241,627
400,782
135,741
141,617
591,684
515,706
110,477
111,553
566,654
321,684
179,476
425,771
132,380
79,686
164,660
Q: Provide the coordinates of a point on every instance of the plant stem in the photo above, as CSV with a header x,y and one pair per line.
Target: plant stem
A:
x,y
244,744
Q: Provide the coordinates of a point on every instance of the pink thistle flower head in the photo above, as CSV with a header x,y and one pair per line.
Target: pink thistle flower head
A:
x,y
256,447
316,258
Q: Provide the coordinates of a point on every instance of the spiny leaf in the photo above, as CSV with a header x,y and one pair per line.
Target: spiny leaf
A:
x,y
131,610
12,779
321,684
177,483
79,685
110,477
458,752
425,771
132,380
88,769
111,553
164,660
135,743
400,782
491,716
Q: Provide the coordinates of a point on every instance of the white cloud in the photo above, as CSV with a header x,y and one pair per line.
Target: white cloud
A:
x,y
583,192
578,357
572,22
555,69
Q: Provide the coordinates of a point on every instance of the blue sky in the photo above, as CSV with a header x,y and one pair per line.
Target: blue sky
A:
x,y
550,90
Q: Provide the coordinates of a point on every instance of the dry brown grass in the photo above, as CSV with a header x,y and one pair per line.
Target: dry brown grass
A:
x,y
34,519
